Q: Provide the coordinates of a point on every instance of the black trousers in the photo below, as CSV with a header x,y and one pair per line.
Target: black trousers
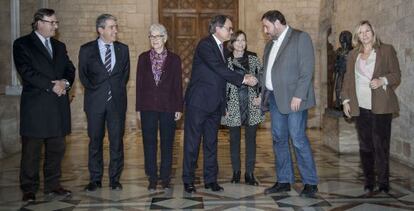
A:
x,y
150,121
374,131
30,161
115,122
250,147
199,125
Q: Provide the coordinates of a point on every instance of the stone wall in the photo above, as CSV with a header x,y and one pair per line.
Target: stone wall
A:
x,y
394,23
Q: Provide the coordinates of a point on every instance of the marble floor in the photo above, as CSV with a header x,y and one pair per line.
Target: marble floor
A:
x,y
340,188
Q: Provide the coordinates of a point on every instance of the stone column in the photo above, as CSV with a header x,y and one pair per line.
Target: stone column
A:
x,y
15,88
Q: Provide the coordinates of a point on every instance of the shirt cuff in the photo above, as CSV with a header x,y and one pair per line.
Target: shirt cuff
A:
x,y
384,79
345,101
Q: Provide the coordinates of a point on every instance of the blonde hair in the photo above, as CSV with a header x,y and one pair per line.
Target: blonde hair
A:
x,y
356,43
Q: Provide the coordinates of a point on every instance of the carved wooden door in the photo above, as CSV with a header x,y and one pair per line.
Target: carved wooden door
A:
x,y
187,22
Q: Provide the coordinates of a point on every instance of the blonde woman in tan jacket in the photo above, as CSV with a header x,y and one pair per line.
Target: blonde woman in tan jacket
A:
x,y
372,75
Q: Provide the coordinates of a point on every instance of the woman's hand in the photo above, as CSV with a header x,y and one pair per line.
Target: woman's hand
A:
x,y
177,116
376,83
257,101
347,110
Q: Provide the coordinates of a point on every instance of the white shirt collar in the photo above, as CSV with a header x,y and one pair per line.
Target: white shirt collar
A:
x,y
217,40
282,36
43,39
102,44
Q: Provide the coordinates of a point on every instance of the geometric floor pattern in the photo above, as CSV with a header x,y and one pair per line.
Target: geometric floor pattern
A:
x,y
340,187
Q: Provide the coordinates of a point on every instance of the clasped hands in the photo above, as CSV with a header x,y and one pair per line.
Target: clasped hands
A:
x,y
250,80
59,87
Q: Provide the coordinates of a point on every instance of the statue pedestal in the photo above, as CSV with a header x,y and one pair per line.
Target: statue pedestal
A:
x,y
338,133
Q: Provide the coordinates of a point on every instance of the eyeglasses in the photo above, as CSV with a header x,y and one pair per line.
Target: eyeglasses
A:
x,y
51,22
155,37
229,29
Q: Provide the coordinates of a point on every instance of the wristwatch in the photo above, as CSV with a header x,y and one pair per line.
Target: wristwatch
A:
x,y
67,84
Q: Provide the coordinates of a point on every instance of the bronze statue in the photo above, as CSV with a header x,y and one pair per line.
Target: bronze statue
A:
x,y
345,38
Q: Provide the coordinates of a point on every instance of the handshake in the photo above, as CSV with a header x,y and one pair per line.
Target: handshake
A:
x,y
250,80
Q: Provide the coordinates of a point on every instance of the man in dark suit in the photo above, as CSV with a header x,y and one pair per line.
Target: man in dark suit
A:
x,y
205,102
104,72
289,64
47,75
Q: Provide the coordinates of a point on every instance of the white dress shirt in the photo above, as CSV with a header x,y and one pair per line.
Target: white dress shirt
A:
x,y
272,56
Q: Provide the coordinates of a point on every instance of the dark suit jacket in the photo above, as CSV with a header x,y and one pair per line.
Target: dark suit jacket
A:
x,y
386,65
207,87
168,95
97,81
43,114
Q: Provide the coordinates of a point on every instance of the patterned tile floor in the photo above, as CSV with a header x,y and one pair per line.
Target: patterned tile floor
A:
x,y
340,185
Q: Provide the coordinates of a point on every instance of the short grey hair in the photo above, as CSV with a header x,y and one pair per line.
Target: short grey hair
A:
x,y
157,27
217,21
100,21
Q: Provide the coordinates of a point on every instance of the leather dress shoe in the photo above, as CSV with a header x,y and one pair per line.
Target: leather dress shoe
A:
x,y
236,177
309,190
116,186
384,188
165,185
92,186
29,196
277,188
152,186
214,186
189,187
250,180
60,191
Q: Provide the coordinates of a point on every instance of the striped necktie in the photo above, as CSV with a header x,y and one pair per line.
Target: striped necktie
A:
x,y
108,65
221,51
48,48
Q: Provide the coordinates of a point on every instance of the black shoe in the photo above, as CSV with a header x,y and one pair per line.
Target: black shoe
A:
x,y
384,188
116,186
152,186
277,188
369,188
250,180
214,186
92,186
60,191
236,177
29,197
309,190
189,187
165,185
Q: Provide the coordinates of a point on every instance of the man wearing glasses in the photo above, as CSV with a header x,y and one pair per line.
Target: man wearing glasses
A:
x,y
104,72
205,102
47,75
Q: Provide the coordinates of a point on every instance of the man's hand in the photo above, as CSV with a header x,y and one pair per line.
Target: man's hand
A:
x,y
249,80
177,116
59,87
347,109
295,104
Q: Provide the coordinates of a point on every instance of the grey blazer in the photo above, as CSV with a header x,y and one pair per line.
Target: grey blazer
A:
x,y
292,71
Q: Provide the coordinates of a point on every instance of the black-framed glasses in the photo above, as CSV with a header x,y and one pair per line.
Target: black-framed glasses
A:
x,y
51,22
155,37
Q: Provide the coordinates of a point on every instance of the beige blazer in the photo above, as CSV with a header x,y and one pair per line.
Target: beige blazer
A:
x,y
386,65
